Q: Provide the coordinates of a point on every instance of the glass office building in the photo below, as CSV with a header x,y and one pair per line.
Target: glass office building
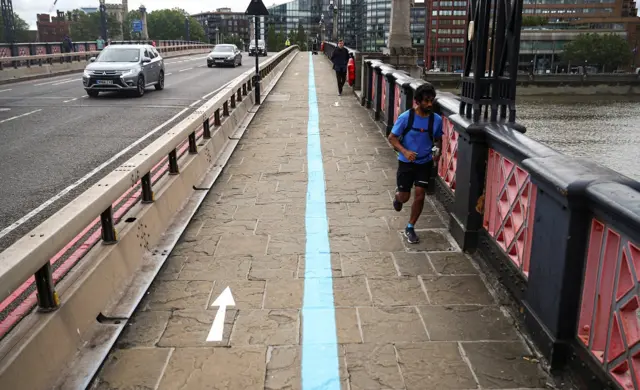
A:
x,y
363,24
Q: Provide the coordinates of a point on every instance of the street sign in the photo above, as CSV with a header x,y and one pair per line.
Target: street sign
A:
x,y
136,25
257,8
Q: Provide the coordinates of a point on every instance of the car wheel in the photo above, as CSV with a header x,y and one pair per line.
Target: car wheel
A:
x,y
140,87
93,93
240,61
160,84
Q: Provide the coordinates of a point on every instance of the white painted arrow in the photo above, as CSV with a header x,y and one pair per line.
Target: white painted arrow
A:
x,y
225,299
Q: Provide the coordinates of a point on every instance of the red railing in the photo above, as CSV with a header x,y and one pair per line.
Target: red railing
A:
x,y
509,208
609,324
449,157
383,101
374,86
398,103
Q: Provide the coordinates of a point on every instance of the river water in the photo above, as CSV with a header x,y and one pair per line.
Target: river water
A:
x,y
605,129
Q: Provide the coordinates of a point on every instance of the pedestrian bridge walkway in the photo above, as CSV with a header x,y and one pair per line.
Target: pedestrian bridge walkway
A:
x,y
405,316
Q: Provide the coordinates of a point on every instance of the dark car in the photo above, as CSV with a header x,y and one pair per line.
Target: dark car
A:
x,y
227,55
261,50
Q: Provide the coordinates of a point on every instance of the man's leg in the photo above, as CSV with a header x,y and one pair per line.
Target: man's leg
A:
x,y
338,80
422,175
404,182
343,79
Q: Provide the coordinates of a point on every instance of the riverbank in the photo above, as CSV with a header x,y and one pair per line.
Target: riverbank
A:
x,y
555,84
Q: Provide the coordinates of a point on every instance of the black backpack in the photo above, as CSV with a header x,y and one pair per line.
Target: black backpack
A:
x,y
412,116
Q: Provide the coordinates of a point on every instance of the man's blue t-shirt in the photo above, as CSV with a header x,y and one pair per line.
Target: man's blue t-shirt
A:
x,y
417,139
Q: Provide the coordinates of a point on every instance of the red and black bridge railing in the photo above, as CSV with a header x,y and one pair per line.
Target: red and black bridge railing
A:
x,y
561,233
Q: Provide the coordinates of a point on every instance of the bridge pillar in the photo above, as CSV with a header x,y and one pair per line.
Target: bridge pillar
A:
x,y
401,53
488,86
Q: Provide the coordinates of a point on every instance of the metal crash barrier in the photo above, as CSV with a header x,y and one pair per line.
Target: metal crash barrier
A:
x,y
80,316
85,55
561,233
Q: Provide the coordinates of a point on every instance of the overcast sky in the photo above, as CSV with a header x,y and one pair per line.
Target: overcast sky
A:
x,y
27,9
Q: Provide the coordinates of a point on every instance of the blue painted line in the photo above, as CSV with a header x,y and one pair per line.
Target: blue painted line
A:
x,y
320,367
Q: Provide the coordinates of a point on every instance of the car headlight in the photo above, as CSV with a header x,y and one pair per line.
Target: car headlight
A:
x,y
128,72
209,57
87,73
231,57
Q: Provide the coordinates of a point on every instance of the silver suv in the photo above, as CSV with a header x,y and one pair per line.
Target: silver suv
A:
x,y
124,68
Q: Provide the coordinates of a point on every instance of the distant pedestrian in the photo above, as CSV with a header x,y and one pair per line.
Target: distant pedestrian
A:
x,y
340,59
67,44
413,136
100,43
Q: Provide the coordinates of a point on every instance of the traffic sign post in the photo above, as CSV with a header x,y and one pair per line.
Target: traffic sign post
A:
x,y
256,8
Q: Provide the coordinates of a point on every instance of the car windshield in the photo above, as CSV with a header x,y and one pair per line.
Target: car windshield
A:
x,y
260,43
119,55
223,49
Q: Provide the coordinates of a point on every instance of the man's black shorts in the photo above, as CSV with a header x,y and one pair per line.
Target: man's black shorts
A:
x,y
410,174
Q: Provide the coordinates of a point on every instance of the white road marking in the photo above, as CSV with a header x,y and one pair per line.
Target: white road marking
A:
x,y
225,299
168,74
86,177
68,81
20,116
5,90
4,109
70,100
182,70
216,91
194,103
51,82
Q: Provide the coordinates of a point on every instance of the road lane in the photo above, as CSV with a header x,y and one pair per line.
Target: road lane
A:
x,y
52,155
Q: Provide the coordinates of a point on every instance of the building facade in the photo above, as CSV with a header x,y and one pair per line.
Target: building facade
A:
x,y
561,21
363,24
51,29
555,23
224,26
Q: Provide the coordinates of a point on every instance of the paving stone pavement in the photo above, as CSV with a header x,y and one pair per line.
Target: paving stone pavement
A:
x,y
408,317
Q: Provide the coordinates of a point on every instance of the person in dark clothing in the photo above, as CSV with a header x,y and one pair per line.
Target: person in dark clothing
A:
x,y
340,59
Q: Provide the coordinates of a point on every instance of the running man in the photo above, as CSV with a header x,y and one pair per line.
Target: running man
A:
x,y
413,137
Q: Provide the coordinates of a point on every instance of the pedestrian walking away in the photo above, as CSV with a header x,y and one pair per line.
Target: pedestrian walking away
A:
x,y
340,59
414,136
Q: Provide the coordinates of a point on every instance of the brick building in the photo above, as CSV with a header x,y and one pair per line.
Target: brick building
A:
x,y
51,29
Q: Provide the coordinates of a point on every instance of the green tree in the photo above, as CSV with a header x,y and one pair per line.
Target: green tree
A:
x,y
272,40
88,27
169,24
301,38
609,51
534,21
279,42
22,29
232,39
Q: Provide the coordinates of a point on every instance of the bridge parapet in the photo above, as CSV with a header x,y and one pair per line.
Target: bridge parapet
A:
x,y
562,233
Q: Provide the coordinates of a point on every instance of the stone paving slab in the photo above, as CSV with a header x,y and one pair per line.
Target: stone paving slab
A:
x,y
407,316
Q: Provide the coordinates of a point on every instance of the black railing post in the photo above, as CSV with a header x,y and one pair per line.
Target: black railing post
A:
x,y
47,296
147,190
173,163
193,146
465,222
109,234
